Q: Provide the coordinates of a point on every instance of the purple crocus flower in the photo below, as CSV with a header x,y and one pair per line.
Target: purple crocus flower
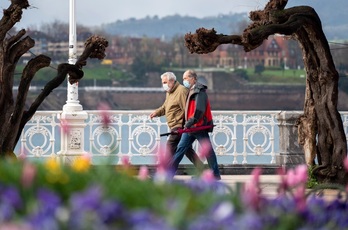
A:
x,y
145,220
44,216
49,200
6,212
199,186
10,202
10,195
111,211
90,199
88,210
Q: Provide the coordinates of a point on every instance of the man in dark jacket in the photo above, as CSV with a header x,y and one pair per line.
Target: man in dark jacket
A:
x,y
197,114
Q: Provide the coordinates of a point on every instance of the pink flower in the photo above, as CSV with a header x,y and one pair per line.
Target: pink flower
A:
x,y
14,226
204,150
125,166
22,156
125,161
283,185
163,160
290,178
256,175
295,182
64,126
252,190
302,173
300,197
163,170
297,176
143,173
104,112
345,162
208,176
28,174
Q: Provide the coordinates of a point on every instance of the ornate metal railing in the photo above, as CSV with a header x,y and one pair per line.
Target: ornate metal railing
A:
x,y
239,137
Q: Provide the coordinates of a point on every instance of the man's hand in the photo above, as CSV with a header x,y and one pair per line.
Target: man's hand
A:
x,y
188,123
152,115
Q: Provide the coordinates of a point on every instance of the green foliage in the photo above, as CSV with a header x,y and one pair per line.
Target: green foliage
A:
x,y
259,69
101,73
94,72
242,73
289,76
272,76
121,185
141,66
89,197
312,181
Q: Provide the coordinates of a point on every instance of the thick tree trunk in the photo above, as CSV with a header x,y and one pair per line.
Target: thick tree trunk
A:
x,y
327,139
320,127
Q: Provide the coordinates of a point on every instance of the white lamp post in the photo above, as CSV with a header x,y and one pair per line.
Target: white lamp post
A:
x,y
73,117
72,103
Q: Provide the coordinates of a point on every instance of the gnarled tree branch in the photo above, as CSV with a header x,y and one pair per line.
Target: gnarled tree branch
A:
x,y
320,128
94,48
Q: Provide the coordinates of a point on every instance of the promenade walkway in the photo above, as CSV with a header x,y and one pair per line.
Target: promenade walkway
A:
x,y
269,184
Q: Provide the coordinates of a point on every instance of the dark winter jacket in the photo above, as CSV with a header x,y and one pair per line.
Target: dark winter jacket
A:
x,y
198,111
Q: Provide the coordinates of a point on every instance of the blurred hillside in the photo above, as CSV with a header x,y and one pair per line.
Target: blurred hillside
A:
x,y
332,13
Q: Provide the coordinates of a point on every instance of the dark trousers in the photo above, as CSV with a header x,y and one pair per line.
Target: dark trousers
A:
x,y
185,143
172,144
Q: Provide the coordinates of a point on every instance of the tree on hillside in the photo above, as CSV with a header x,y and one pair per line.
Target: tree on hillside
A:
x,y
14,115
320,128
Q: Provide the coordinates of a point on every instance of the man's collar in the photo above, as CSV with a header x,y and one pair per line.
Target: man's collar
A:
x,y
176,83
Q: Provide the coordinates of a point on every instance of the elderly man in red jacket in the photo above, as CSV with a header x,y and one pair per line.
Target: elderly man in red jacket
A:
x,y
197,114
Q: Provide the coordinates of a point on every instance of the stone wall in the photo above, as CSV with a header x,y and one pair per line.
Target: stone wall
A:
x,y
226,92
257,99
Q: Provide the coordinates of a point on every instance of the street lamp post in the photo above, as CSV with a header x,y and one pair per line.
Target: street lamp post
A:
x,y
72,102
73,117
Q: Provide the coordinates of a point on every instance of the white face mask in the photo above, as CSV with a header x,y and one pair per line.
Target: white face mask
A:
x,y
186,83
165,87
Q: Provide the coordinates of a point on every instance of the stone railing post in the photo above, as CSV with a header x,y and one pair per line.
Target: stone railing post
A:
x,y
290,152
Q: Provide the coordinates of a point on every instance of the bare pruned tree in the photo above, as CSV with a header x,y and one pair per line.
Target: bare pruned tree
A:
x,y
14,116
320,128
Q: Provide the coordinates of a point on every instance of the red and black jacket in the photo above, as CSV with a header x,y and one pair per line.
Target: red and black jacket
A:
x,y
198,110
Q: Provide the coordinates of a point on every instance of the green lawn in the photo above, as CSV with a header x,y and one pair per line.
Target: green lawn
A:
x,y
104,72
277,76
98,72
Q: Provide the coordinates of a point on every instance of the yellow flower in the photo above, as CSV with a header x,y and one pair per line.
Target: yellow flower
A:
x,y
81,164
52,165
55,173
61,178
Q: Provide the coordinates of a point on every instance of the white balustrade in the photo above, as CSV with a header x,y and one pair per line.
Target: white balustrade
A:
x,y
239,137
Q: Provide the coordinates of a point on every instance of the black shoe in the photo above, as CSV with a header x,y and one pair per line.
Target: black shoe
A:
x,y
218,177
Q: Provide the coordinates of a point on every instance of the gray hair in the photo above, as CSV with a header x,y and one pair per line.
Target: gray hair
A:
x,y
169,75
191,74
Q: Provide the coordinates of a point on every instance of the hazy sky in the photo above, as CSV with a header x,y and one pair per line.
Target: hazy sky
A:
x,y
96,12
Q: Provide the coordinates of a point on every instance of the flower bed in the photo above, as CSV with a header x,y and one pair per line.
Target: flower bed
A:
x,y
79,196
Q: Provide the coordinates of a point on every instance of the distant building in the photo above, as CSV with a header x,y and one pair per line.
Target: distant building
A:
x,y
57,47
275,52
